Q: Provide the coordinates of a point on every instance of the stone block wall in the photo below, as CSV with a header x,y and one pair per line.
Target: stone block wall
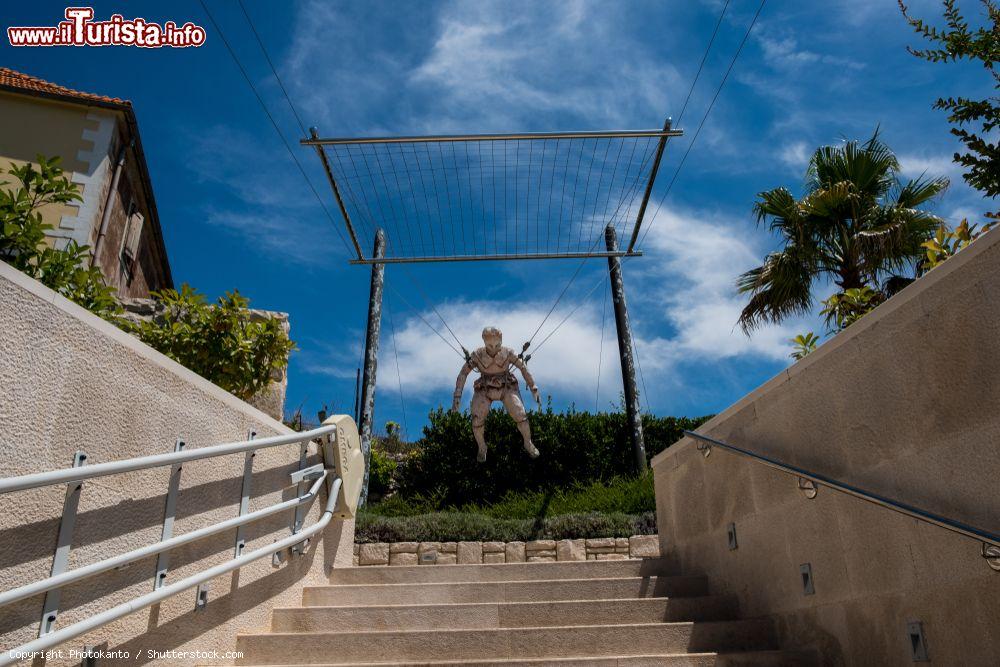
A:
x,y
536,551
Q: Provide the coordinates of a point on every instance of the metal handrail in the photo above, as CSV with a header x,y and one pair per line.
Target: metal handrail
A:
x,y
70,576
57,637
318,475
990,540
65,475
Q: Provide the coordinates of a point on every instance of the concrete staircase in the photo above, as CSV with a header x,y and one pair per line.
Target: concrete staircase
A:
x,y
593,613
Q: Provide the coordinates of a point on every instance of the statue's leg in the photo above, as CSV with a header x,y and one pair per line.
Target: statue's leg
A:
x,y
515,408
480,408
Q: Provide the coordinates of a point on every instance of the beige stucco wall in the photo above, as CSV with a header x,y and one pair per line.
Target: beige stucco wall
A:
x,y
81,136
905,404
70,381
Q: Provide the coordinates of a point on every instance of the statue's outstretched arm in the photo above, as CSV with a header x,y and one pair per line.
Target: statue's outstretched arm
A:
x,y
528,380
460,385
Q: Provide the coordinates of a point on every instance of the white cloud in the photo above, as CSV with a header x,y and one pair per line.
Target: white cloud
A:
x,y
703,253
795,155
914,165
483,66
691,285
564,366
507,65
784,53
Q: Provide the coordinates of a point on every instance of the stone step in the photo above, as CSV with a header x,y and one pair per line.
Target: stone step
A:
x,y
504,614
422,574
505,591
505,643
739,659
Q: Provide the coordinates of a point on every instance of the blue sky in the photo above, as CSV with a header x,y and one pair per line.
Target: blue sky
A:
x,y
236,212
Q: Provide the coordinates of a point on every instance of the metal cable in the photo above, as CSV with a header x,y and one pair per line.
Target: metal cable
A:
x,y
274,123
701,65
422,319
274,71
570,314
399,379
711,105
600,355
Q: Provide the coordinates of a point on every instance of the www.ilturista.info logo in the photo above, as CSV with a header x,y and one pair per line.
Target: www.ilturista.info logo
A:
x,y
79,29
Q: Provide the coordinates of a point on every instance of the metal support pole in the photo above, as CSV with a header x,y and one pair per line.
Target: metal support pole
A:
x,y
371,358
336,193
169,512
649,186
241,541
625,351
64,542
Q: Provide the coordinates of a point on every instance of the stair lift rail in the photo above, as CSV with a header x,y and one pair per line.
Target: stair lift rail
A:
x,y
808,482
309,480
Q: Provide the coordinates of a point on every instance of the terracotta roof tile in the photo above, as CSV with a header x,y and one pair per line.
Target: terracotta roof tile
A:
x,y
13,80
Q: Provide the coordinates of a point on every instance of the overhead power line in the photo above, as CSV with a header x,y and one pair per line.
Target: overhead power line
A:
x,y
711,105
274,123
701,65
274,71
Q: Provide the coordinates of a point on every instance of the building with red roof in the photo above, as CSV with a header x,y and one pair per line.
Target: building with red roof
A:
x,y
97,139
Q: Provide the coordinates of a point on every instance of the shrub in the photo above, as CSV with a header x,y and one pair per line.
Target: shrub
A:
x,y
223,342
380,471
459,526
577,448
22,238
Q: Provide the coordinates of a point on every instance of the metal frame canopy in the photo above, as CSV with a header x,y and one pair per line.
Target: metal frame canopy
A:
x,y
446,198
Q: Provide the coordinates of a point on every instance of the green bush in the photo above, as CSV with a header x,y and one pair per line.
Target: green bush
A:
x,y
22,238
223,342
381,468
577,448
459,526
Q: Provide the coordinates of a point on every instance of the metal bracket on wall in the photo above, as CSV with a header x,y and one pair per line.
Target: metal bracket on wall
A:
x,y
241,540
808,488
704,448
169,511
992,555
50,608
201,597
300,511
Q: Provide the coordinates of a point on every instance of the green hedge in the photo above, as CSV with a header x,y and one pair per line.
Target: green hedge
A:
x,y
577,448
621,495
460,526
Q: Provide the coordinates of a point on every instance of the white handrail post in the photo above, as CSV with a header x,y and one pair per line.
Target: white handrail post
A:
x,y
50,607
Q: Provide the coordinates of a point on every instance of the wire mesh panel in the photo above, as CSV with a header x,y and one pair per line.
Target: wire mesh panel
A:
x,y
491,196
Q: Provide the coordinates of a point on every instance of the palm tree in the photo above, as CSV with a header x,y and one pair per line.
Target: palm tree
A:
x,y
857,225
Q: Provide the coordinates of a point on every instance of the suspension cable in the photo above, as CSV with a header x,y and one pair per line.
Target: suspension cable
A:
x,y
424,320
274,71
570,314
600,354
423,295
701,65
274,123
399,379
711,105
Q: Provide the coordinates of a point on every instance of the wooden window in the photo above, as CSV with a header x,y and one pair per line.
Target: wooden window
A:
x,y
130,241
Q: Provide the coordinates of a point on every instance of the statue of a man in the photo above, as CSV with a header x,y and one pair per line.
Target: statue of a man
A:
x,y
496,383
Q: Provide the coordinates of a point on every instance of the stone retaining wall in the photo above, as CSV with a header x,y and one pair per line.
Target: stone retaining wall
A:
x,y
450,553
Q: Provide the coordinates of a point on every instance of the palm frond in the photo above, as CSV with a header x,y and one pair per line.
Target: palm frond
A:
x,y
779,288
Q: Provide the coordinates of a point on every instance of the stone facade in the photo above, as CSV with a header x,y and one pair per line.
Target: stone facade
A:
x,y
536,551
